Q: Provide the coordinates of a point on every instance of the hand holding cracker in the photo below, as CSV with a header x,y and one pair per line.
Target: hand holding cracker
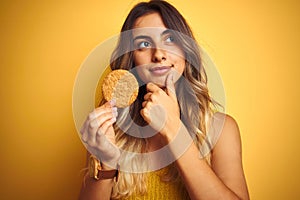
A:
x,y
98,134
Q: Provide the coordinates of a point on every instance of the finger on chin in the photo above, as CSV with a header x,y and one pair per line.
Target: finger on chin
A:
x,y
151,87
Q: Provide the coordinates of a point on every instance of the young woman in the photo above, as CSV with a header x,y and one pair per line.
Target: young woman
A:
x,y
173,110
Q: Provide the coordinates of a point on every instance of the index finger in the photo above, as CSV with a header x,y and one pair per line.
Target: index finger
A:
x,y
151,87
108,104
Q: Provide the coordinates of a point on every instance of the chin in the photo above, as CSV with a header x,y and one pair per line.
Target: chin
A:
x,y
159,82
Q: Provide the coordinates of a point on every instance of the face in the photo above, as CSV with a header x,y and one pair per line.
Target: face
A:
x,y
157,52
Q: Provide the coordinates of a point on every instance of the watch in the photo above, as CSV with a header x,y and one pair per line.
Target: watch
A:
x,y
96,172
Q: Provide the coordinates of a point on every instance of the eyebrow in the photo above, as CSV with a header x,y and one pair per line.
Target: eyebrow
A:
x,y
167,31
142,37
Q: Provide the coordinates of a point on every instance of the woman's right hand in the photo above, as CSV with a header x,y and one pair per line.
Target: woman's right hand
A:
x,y
98,134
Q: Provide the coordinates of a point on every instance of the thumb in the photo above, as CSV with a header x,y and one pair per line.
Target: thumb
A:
x,y
170,86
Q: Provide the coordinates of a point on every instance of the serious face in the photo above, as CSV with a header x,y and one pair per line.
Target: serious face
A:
x,y
157,52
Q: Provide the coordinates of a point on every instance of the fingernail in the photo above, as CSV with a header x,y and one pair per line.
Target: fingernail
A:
x,y
113,119
112,102
114,109
115,113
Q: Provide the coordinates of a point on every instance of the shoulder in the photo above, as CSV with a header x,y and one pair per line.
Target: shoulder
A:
x,y
228,134
229,120
230,127
225,123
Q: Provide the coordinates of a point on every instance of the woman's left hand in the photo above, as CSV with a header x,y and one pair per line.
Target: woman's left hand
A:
x,y
161,110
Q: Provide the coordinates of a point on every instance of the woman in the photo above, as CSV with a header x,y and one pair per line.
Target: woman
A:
x,y
173,107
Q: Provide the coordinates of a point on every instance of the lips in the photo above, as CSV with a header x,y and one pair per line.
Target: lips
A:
x,y
160,70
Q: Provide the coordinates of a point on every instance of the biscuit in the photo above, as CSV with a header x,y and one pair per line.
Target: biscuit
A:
x,y
121,85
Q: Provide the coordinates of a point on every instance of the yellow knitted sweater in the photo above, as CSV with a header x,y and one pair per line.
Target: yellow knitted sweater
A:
x,y
160,190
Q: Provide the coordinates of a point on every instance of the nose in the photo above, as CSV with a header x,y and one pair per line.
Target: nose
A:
x,y
158,55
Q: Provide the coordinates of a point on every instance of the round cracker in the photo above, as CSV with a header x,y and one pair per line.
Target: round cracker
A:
x,y
122,86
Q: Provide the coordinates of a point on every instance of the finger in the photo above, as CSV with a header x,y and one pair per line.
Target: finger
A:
x,y
147,96
106,105
99,122
88,127
151,87
111,103
100,111
91,116
170,86
144,103
83,127
91,124
145,114
147,104
95,113
84,137
103,129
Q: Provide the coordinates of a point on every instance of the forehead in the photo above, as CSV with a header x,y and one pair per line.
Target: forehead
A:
x,y
149,20
150,24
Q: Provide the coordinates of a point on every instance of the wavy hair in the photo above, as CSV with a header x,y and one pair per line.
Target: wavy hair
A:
x,y
195,103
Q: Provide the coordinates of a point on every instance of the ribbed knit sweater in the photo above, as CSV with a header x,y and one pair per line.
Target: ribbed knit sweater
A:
x,y
160,190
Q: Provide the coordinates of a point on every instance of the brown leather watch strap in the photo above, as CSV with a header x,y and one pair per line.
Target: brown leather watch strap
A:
x,y
98,173
108,174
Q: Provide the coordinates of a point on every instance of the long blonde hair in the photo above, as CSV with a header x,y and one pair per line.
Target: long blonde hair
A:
x,y
195,103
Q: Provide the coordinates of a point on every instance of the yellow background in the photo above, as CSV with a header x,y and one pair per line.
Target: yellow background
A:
x,y
255,45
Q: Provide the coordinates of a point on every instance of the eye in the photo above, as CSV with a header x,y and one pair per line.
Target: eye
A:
x,y
144,44
170,39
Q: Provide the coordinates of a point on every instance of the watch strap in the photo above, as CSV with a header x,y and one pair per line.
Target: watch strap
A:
x,y
108,174
98,173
